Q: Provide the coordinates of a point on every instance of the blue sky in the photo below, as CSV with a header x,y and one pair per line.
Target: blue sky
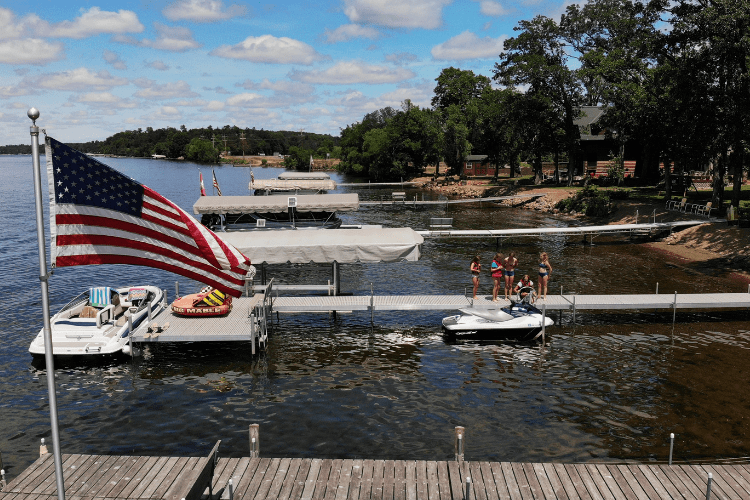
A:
x,y
94,68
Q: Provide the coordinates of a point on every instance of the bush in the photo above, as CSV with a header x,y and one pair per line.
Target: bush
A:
x,y
589,201
619,194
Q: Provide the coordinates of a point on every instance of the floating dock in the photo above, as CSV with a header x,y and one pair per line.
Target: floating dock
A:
x,y
149,478
415,202
646,229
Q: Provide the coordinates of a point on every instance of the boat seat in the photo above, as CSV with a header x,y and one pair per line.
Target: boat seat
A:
x,y
88,312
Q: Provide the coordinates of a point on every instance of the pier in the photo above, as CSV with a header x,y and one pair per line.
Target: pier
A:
x,y
150,478
400,199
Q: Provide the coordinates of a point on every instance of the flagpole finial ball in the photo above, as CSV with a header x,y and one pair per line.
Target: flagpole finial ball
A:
x,y
33,113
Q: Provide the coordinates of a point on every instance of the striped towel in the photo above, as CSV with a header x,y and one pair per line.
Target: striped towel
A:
x,y
100,296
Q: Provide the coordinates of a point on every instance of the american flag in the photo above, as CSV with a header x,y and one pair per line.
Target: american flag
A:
x,y
100,216
216,183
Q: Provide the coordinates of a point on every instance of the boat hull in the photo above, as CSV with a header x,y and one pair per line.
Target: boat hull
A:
x,y
519,322
107,333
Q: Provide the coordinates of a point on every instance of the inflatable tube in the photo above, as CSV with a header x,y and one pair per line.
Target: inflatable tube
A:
x,y
193,305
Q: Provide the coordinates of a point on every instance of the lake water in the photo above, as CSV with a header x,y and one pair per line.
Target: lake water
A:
x,y
609,387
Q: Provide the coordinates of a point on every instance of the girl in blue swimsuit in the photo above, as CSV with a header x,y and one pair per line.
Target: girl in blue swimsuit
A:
x,y
545,269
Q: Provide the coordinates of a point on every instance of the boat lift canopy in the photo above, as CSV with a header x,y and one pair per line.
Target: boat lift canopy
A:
x,y
325,246
348,202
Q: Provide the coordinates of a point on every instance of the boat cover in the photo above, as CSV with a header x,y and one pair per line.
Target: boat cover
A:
x,y
304,175
348,202
292,184
322,246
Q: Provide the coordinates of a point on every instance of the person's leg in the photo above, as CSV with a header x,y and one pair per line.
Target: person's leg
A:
x,y
545,287
475,279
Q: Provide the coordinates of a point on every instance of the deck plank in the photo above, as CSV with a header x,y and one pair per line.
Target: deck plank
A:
x,y
399,480
444,482
422,485
682,489
267,479
356,481
311,479
506,472
285,479
478,484
389,479
537,488
556,485
410,480
588,482
142,478
488,481
616,490
27,476
521,479
299,483
433,487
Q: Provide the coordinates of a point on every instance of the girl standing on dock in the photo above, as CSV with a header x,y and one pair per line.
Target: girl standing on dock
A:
x,y
497,274
545,269
510,274
476,268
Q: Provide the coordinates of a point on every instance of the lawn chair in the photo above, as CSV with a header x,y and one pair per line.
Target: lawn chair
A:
x,y
704,210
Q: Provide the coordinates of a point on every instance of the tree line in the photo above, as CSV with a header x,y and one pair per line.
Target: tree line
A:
x,y
672,75
200,144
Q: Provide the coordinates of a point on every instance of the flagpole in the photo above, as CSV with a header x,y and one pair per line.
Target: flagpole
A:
x,y
33,113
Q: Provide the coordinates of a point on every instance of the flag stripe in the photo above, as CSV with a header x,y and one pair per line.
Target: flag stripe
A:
x,y
99,216
84,245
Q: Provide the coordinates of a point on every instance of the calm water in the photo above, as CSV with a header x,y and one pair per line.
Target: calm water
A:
x,y
609,387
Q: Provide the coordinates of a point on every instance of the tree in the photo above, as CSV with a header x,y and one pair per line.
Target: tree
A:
x,y
457,100
202,151
538,60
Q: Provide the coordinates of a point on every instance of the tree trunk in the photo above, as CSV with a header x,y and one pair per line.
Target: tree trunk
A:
x,y
667,179
538,168
557,165
739,160
718,193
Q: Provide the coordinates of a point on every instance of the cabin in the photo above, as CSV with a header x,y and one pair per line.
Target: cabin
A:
x,y
478,166
597,149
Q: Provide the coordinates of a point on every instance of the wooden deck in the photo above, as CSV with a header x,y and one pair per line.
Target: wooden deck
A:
x,y
118,477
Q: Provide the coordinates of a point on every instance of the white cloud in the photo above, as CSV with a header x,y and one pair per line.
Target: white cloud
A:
x,y
213,106
10,27
492,8
468,45
30,51
352,72
190,103
152,90
158,65
270,49
427,14
19,105
172,38
349,32
279,86
95,21
77,80
246,100
201,11
217,89
113,58
105,100
166,113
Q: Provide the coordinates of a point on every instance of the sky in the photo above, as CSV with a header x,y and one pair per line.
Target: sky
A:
x,y
95,68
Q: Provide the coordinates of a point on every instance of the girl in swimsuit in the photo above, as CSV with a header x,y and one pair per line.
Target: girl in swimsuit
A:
x,y
476,268
545,269
510,264
497,274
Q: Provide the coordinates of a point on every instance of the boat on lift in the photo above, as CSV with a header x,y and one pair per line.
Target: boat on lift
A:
x,y
294,183
246,213
520,321
96,322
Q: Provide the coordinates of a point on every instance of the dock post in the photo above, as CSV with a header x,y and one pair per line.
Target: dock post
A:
x,y
230,487
3,483
467,494
574,309
372,304
177,289
657,288
671,446
43,448
252,333
254,440
544,321
130,334
460,443
708,486
674,309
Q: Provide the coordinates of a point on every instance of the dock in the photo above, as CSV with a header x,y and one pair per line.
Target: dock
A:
x,y
151,477
644,229
566,302
401,200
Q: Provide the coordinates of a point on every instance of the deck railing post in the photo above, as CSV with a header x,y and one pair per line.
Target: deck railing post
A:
x,y
254,440
671,446
43,448
708,486
3,484
657,288
674,309
544,321
467,494
230,487
460,443
177,289
252,334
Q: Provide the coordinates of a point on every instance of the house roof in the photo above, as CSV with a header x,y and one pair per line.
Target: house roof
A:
x,y
590,115
476,157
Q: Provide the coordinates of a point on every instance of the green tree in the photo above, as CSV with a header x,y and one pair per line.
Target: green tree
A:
x,y
202,151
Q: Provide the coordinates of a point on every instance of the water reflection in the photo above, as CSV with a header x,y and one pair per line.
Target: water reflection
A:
x,y
609,386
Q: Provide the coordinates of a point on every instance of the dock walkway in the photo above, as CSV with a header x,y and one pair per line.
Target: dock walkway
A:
x,y
416,202
150,478
567,302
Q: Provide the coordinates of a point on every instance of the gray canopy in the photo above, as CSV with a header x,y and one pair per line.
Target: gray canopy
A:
x,y
304,175
348,202
293,184
323,246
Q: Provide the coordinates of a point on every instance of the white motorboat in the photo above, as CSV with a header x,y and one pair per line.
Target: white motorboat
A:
x,y
96,322
520,320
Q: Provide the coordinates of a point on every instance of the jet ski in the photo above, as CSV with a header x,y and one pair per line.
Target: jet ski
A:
x,y
521,320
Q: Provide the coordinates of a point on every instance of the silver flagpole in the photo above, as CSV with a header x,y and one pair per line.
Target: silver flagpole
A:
x,y
33,113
